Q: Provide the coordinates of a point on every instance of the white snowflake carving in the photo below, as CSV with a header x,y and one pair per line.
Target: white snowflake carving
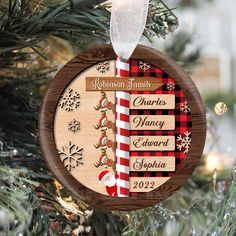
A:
x,y
103,66
184,107
71,155
70,100
170,86
74,126
144,66
184,142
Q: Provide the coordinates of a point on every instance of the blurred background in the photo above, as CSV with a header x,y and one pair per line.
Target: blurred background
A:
x,y
211,25
207,31
204,43
37,38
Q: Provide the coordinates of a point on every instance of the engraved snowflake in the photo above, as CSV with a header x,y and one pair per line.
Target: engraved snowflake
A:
x,y
184,107
71,155
144,66
70,100
170,86
184,142
103,66
74,126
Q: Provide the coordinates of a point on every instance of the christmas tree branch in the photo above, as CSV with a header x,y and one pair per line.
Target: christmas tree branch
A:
x,y
80,4
22,83
16,203
23,24
225,217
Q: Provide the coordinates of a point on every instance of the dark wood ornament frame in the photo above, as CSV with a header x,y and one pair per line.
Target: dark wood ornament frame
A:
x,y
46,133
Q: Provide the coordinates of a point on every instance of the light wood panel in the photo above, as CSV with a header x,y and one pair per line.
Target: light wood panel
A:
x,y
152,122
146,184
152,101
152,143
152,163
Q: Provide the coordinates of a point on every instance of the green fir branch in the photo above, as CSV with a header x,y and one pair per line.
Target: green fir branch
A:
x,y
24,24
225,217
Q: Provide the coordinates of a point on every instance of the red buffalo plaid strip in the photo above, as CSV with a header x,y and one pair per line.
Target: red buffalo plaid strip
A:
x,y
183,121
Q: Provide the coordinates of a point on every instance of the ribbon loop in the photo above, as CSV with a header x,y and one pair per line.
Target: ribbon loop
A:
x,y
128,20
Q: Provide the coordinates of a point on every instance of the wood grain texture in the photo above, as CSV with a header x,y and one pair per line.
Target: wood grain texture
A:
x,y
145,184
122,84
152,163
152,122
152,143
46,134
87,174
152,101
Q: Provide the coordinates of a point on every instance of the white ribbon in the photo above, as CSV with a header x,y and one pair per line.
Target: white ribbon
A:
x,y
128,20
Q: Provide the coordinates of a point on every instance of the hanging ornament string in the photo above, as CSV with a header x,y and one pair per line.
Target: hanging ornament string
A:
x,y
128,20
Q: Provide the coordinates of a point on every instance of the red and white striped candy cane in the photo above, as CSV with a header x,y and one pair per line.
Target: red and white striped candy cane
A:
x,y
122,132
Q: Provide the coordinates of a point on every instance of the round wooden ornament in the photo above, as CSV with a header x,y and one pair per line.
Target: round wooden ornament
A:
x,y
122,135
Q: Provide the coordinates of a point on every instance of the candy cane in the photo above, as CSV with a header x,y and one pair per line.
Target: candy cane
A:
x,y
122,132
